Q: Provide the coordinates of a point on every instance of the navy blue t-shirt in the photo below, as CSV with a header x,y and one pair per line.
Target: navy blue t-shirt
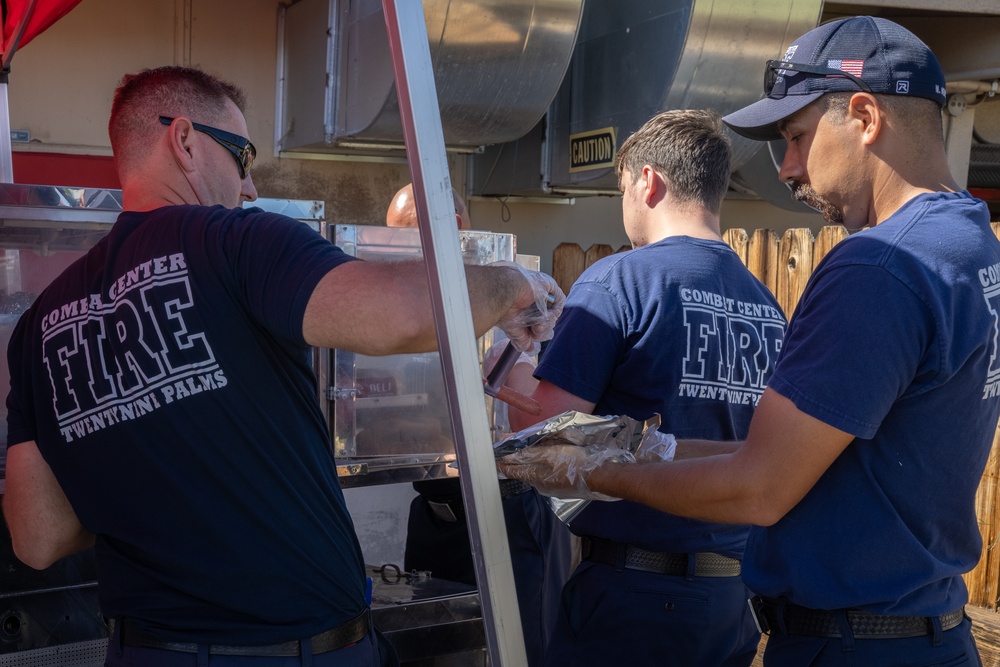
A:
x,y
166,381
678,328
895,342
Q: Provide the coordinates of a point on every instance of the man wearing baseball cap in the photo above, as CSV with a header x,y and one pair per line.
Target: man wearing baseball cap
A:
x,y
863,457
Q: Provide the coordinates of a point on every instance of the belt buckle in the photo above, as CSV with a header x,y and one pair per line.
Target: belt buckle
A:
x,y
756,604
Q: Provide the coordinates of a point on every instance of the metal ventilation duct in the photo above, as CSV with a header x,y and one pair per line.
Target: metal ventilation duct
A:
x,y
497,67
633,59
984,166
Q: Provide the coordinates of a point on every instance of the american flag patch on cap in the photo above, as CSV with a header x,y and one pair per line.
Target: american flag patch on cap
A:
x,y
855,67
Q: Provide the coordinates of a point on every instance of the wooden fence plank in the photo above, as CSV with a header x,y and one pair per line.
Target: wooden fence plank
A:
x,y
828,237
568,262
739,241
795,254
762,258
598,251
982,580
986,514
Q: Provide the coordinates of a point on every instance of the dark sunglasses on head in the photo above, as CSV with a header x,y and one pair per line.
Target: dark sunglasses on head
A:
x,y
241,148
773,69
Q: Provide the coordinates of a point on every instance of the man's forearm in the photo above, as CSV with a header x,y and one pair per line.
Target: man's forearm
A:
x,y
381,308
42,523
785,453
696,449
493,292
708,488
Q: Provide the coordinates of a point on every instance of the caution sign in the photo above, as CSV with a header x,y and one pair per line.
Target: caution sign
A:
x,y
592,150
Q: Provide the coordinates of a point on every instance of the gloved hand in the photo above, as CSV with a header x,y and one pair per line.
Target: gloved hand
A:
x,y
656,446
528,326
560,470
554,470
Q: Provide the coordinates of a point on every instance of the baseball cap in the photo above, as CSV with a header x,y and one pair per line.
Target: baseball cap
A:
x,y
858,53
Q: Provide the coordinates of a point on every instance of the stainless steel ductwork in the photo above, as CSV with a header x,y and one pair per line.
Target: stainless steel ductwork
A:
x,y
633,59
984,166
497,66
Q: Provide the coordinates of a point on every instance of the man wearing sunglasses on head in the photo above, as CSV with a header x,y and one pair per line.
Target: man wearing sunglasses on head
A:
x,y
863,457
163,407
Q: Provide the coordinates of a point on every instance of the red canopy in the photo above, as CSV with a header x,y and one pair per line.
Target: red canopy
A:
x,y
43,13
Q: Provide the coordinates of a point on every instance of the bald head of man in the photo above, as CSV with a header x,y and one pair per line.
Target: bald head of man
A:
x,y
403,209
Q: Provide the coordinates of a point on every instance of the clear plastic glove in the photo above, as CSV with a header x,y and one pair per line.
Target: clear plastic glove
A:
x,y
556,455
529,326
554,470
656,446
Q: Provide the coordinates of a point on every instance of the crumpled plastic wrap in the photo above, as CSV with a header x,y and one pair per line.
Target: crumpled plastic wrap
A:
x,y
555,455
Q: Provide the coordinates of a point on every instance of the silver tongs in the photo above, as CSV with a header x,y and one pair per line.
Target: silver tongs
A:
x,y
495,387
494,384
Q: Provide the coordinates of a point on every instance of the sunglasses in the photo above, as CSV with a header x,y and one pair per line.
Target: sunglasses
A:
x,y
241,149
774,68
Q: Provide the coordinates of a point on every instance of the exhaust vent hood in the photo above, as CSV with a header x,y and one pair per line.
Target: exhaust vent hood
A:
x,y
497,66
984,166
633,59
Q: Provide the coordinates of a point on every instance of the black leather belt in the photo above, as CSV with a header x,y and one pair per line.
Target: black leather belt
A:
x,y
339,637
511,487
609,552
452,509
795,620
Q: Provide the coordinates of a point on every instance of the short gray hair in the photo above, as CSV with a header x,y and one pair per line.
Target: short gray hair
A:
x,y
142,98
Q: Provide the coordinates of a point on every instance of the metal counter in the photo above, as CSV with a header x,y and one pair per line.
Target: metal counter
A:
x,y
429,621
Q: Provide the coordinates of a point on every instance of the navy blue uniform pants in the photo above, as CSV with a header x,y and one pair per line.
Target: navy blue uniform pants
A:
x,y
540,555
628,617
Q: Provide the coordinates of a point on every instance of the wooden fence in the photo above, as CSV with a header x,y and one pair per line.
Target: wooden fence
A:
x,y
784,264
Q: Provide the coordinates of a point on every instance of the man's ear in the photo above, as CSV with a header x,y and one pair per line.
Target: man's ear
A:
x,y
180,139
865,110
651,184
